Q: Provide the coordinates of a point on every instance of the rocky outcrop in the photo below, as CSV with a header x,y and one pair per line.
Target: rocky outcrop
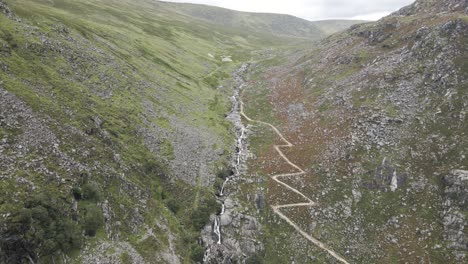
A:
x,y
5,9
239,235
455,210
434,6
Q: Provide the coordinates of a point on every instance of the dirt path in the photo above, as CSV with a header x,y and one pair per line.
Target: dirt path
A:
x,y
301,172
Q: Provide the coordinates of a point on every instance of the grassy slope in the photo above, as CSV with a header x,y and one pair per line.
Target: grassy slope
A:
x,y
132,67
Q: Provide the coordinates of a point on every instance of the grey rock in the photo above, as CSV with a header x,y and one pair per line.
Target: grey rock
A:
x,y
260,201
5,9
455,209
431,7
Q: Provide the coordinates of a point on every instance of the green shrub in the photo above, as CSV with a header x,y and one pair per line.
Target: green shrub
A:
x,y
200,217
77,193
224,173
197,252
173,205
41,226
90,191
201,214
93,220
151,167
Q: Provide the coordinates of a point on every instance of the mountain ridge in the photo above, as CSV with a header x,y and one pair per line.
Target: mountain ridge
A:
x,y
276,24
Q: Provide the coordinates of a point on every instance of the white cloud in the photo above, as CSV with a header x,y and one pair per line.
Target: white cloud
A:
x,y
313,9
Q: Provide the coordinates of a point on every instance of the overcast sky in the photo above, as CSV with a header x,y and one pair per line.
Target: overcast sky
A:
x,y
313,9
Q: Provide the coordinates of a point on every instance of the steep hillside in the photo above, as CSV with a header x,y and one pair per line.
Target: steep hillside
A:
x,y
263,23
112,129
376,117
152,132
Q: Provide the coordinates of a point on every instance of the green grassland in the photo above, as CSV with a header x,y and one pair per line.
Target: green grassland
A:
x,y
129,66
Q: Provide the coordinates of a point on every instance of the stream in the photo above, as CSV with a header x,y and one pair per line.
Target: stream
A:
x,y
235,117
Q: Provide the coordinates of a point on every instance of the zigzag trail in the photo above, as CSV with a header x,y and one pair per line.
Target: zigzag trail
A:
x,y
276,208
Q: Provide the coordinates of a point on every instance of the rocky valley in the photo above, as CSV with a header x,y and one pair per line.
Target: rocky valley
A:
x,y
153,132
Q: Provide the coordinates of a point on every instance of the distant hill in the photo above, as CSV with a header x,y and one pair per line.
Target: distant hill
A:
x,y
329,27
273,24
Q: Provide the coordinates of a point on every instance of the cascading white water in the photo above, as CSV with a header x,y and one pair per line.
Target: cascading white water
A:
x,y
239,145
221,192
235,118
217,229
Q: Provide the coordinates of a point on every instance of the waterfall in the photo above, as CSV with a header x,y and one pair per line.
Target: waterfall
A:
x,y
235,117
216,228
